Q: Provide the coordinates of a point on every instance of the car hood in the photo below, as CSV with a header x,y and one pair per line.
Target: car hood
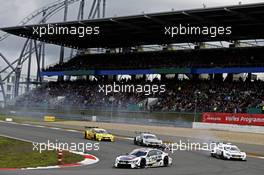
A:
x,y
153,140
127,157
105,135
235,152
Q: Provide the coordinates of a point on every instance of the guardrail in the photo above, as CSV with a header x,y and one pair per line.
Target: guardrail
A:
x,y
146,118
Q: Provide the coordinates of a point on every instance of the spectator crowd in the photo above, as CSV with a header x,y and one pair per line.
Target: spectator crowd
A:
x,y
180,95
223,57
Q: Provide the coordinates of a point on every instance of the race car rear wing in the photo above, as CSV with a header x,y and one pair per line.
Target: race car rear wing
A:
x,y
90,127
221,142
140,132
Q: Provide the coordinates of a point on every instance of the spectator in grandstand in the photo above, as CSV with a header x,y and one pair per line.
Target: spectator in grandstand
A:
x,y
218,96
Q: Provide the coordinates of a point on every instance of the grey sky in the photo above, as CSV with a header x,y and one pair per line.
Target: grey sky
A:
x,y
12,11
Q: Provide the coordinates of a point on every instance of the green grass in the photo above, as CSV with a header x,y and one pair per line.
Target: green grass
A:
x,y
18,154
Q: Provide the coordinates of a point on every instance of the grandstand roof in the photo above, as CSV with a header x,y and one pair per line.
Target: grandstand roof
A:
x,y
247,22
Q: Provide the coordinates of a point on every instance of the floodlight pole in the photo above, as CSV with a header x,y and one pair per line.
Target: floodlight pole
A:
x,y
38,61
18,69
29,65
112,99
92,9
104,7
42,46
79,18
3,90
60,78
81,10
98,8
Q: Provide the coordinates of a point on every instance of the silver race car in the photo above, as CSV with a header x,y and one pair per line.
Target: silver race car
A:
x,y
227,151
143,157
147,139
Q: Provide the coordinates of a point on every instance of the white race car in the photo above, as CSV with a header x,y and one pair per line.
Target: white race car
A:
x,y
227,151
147,139
143,157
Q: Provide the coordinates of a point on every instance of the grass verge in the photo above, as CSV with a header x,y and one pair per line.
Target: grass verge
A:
x,y
18,154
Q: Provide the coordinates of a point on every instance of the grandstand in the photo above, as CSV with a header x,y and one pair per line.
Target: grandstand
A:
x,y
120,44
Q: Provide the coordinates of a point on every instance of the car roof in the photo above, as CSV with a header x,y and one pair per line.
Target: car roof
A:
x,y
148,134
99,129
144,149
227,145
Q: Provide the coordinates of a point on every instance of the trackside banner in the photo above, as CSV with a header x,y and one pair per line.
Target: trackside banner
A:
x,y
231,118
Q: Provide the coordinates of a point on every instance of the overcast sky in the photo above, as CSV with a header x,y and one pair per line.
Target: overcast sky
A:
x,y
13,11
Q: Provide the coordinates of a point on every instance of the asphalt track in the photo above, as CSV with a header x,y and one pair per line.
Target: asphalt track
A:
x,y
184,162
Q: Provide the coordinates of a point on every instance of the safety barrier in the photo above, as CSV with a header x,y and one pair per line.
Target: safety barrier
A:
x,y
229,127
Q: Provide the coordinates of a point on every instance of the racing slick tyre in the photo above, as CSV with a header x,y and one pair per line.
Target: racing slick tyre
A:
x,y
222,156
85,135
166,161
143,163
135,141
94,137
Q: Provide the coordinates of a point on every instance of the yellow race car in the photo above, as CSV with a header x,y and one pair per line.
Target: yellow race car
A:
x,y
98,134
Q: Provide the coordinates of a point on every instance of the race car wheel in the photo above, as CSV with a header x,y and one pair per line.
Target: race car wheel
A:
x,y
94,137
141,143
166,161
85,135
143,163
212,155
222,156
135,141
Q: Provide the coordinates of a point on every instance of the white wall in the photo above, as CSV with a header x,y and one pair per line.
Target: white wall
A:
x,y
229,127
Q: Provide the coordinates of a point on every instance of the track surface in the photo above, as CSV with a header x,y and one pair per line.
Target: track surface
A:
x,y
184,162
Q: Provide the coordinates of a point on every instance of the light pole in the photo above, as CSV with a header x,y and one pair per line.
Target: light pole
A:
x,y
196,93
112,99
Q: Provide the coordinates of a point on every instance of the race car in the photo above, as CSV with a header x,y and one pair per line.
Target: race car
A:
x,y
93,133
227,151
147,139
142,158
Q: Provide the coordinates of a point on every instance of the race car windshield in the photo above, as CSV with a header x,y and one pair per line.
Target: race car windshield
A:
x,y
138,153
101,131
150,137
232,148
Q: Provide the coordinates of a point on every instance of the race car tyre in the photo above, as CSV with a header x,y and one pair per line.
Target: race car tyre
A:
x,y
222,156
94,137
212,155
141,143
85,135
135,141
143,163
166,161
